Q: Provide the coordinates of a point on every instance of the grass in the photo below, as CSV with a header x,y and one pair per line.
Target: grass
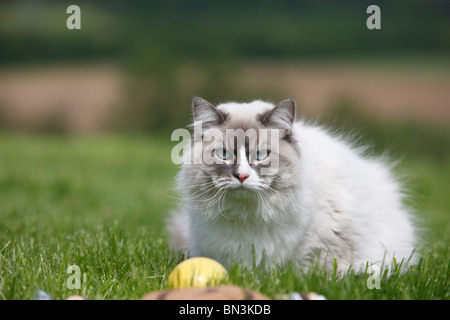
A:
x,y
99,203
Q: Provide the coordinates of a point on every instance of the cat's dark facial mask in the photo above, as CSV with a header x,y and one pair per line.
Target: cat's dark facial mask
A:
x,y
244,146
241,158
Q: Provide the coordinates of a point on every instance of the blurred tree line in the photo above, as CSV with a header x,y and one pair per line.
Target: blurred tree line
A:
x,y
163,44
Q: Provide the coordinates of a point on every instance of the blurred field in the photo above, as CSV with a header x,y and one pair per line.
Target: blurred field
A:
x,y
387,90
103,97
65,98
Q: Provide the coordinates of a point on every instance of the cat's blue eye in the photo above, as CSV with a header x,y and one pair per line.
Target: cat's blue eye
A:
x,y
262,154
224,154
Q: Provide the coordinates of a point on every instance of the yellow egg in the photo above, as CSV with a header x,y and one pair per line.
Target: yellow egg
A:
x,y
197,272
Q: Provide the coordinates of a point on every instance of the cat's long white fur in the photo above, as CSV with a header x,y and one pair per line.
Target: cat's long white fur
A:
x,y
338,203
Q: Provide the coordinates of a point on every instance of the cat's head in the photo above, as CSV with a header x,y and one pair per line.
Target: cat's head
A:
x,y
242,147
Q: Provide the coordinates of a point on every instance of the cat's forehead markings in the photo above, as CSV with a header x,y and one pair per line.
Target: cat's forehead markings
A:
x,y
245,111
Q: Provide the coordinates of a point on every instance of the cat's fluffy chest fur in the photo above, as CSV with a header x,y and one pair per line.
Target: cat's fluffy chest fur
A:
x,y
326,197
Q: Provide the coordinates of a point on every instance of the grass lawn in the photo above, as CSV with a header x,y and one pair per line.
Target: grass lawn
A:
x,y
99,203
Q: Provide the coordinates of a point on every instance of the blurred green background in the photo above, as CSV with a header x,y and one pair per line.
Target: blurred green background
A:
x,y
86,117
135,65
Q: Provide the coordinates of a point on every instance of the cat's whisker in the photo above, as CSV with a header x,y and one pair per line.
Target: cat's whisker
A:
x,y
197,185
262,197
193,189
197,194
278,192
216,200
184,200
215,186
209,201
201,191
220,211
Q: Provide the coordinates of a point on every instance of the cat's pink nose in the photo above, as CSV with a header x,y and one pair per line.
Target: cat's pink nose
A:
x,y
242,177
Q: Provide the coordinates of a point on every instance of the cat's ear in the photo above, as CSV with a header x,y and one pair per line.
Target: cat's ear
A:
x,y
281,117
206,113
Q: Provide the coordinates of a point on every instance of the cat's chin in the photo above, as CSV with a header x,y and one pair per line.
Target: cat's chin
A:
x,y
241,193
242,187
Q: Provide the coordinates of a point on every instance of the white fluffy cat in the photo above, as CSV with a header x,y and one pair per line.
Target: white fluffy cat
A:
x,y
318,194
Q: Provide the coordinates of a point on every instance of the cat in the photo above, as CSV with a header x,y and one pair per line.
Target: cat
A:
x,y
319,199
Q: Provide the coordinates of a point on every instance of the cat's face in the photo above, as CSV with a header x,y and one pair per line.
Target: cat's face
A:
x,y
242,147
